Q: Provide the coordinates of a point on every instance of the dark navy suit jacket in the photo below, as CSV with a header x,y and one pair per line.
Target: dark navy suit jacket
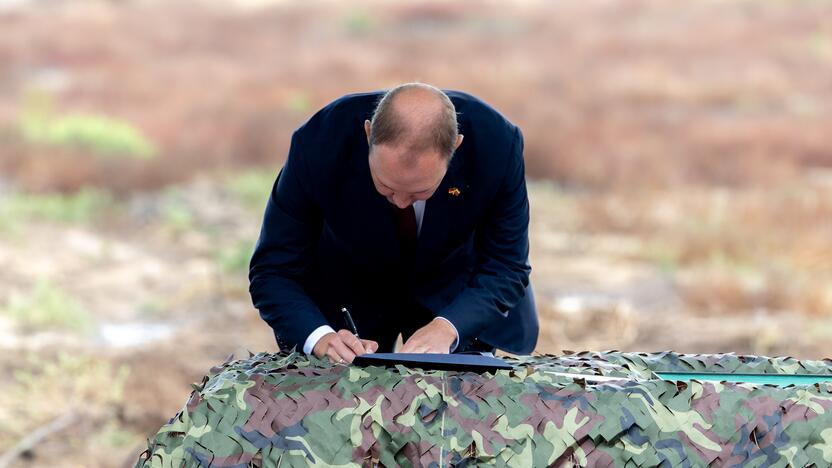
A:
x,y
328,237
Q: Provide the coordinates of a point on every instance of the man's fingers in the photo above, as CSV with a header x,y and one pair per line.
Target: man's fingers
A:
x,y
432,338
344,346
418,345
336,357
419,349
344,352
352,341
333,355
337,351
370,346
409,346
413,344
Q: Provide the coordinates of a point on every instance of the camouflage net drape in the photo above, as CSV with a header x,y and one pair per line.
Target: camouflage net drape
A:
x,y
287,410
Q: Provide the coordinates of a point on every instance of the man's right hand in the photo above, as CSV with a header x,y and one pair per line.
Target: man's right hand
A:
x,y
343,346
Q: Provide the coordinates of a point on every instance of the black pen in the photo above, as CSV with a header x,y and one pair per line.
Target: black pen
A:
x,y
348,318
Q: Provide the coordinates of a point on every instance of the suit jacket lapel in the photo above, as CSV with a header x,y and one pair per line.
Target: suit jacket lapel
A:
x,y
441,209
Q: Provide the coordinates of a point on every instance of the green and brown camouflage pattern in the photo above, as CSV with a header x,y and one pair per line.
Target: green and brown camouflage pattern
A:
x,y
289,410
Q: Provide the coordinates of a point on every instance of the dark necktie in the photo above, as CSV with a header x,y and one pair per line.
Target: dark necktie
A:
x,y
406,229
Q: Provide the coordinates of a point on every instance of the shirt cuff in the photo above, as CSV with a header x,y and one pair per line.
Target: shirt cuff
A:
x,y
316,335
456,340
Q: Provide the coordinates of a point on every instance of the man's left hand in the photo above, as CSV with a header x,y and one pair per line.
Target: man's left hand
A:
x,y
435,337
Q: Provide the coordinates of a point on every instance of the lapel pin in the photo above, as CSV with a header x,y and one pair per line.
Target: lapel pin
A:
x,y
454,192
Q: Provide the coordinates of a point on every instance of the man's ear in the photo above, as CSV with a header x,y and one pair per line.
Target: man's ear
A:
x,y
458,141
367,128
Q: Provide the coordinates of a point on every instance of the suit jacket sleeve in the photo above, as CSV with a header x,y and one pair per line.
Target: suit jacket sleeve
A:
x,y
502,249
291,227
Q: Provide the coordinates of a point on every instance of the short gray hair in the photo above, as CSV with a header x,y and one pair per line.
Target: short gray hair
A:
x,y
440,133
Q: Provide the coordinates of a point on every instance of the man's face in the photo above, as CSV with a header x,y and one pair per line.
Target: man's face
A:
x,y
403,183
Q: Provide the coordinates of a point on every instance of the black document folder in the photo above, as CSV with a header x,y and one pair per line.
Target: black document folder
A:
x,y
433,361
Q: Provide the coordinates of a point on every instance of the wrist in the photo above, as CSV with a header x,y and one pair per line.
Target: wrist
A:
x,y
446,327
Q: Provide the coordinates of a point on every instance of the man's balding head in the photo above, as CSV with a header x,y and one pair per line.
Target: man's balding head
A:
x,y
412,137
417,118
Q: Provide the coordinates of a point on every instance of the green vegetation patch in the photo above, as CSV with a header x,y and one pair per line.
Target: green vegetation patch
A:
x,y
47,306
252,187
76,208
176,213
358,22
98,134
66,385
235,258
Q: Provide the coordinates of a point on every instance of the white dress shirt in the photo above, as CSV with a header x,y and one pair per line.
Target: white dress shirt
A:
x,y
318,333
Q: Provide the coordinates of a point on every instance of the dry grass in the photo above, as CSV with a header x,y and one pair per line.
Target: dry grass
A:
x,y
730,250
646,92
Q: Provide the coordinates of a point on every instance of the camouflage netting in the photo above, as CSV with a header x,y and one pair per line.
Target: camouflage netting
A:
x,y
288,410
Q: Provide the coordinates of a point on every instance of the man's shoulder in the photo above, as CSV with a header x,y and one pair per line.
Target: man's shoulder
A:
x,y
331,137
490,137
341,114
474,112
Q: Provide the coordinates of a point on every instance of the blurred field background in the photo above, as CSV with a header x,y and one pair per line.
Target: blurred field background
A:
x,y
679,156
